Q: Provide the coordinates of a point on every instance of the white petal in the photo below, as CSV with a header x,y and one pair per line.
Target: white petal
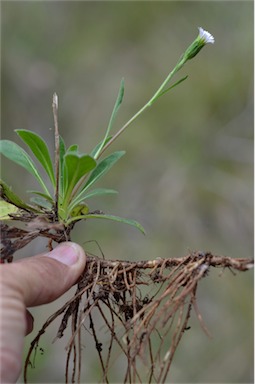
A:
x,y
206,36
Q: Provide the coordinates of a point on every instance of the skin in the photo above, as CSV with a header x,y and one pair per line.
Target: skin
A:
x,y
27,283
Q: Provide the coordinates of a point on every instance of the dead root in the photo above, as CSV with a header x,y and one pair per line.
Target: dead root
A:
x,y
144,308
14,238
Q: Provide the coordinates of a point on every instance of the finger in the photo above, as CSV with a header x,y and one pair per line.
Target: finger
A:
x,y
41,279
30,322
37,280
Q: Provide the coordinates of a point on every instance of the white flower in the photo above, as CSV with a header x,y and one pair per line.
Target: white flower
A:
x,y
202,39
205,36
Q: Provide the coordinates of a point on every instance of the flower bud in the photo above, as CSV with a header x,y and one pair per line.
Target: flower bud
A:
x,y
203,38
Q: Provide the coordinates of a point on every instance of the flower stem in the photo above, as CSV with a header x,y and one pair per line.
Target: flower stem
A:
x,y
156,95
203,38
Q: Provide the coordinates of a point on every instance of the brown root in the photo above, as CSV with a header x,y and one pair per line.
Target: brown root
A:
x,y
141,304
14,238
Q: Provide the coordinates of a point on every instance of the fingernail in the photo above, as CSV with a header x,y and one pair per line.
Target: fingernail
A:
x,y
66,253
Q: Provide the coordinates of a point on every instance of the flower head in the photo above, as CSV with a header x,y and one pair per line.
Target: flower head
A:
x,y
205,36
202,39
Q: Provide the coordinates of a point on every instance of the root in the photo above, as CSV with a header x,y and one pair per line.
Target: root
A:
x,y
145,307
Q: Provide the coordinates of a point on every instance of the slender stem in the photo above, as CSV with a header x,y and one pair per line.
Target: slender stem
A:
x,y
55,116
157,94
178,66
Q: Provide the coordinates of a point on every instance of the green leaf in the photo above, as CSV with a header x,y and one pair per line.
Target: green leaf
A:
x,y
6,209
99,145
39,149
113,115
46,197
79,209
103,167
109,217
73,148
86,195
76,166
172,86
15,153
98,192
42,203
8,195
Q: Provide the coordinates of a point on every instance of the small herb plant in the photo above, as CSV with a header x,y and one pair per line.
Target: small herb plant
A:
x,y
145,306
73,174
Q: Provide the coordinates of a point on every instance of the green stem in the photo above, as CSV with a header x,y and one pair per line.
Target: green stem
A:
x,y
72,192
178,66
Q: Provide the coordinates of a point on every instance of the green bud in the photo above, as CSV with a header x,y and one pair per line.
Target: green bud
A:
x,y
79,210
203,38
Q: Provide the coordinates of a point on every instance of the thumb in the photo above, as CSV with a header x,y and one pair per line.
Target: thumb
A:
x,y
45,277
29,282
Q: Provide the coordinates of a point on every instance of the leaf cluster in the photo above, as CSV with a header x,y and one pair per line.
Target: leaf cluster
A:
x,y
72,181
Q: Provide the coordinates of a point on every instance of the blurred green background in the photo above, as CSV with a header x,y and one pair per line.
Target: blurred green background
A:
x,y
187,175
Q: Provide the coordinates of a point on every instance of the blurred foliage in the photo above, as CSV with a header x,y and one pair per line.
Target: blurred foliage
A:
x,y
188,172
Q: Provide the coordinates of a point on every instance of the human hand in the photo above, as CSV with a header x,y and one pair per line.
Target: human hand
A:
x,y
27,283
